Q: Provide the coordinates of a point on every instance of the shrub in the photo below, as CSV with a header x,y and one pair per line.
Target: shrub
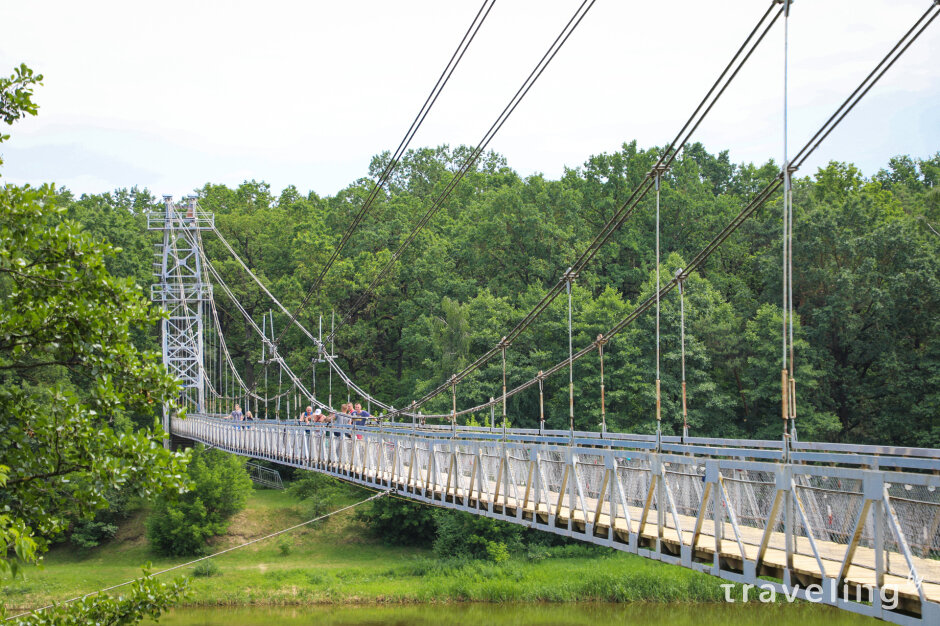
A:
x,y
398,522
466,535
319,494
87,534
284,547
497,552
311,484
181,524
207,568
537,553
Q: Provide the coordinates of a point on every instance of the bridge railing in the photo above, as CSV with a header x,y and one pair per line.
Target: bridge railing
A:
x,y
864,456
716,505
264,476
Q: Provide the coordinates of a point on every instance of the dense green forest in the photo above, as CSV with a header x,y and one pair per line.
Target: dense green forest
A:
x,y
866,288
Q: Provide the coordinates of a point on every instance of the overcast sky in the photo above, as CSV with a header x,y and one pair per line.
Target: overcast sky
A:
x,y
172,95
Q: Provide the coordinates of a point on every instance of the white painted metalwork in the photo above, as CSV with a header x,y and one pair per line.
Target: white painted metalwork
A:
x,y
862,515
182,292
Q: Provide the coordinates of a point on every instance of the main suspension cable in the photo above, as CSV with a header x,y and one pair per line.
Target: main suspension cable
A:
x,y
756,202
272,347
627,208
501,119
442,80
327,354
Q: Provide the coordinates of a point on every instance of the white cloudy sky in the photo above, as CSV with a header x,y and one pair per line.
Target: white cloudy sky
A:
x,y
173,94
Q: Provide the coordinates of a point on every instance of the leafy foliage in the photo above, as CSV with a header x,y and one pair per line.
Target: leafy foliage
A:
x,y
207,569
502,240
399,522
464,535
89,533
181,524
866,259
16,96
319,494
70,373
144,598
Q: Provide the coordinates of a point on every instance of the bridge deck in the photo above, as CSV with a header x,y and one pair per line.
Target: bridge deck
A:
x,y
836,517
862,572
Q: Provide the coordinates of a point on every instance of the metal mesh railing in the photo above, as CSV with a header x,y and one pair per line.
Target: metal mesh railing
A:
x,y
580,485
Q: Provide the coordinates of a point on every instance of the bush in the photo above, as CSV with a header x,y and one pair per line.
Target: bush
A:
x,y
87,534
399,522
319,494
466,535
283,546
181,524
537,553
497,552
311,484
207,568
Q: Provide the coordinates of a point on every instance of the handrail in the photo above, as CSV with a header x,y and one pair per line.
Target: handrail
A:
x,y
927,459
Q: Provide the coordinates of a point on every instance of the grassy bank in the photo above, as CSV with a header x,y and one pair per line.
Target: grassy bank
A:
x,y
338,562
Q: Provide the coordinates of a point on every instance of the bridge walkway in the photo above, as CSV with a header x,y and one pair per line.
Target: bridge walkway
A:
x,y
835,516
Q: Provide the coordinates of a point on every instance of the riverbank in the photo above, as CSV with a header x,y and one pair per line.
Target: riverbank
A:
x,y
338,562
529,614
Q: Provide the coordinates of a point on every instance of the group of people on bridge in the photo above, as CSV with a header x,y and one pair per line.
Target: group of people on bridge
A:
x,y
349,414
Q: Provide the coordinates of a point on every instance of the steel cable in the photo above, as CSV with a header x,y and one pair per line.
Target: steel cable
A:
x,y
629,206
442,80
756,202
507,111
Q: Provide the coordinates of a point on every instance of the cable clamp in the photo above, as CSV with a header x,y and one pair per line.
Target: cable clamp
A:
x,y
601,339
791,169
659,168
680,278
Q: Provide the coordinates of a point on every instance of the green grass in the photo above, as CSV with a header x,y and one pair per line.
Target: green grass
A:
x,y
338,561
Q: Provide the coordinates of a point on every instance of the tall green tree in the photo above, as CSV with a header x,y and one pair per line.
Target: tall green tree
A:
x,y
69,373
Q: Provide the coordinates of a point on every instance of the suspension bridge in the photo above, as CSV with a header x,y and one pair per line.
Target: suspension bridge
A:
x,y
852,526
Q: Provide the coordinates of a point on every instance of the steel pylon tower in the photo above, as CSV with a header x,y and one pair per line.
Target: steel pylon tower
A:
x,y
181,292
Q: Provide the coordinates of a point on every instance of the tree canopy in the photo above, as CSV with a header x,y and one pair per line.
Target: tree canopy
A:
x,y
865,273
73,381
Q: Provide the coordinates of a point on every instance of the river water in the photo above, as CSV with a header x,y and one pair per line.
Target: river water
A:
x,y
756,614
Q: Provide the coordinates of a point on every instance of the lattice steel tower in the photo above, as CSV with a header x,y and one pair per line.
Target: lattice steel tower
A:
x,y
181,292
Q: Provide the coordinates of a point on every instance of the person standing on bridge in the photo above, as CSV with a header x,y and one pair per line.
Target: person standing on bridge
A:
x,y
361,415
343,418
237,414
307,416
